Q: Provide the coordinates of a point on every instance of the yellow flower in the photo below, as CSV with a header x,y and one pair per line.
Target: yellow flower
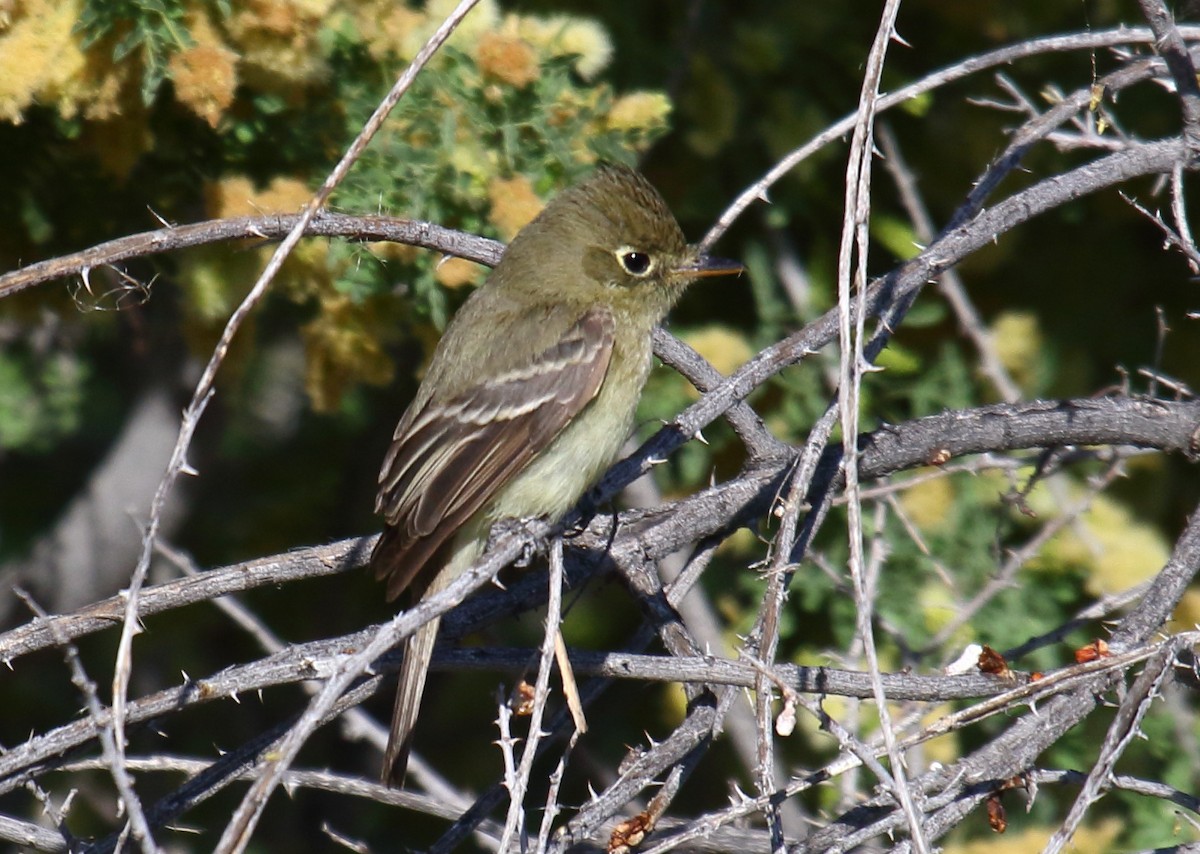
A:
x,y
456,272
237,196
471,157
278,42
342,348
938,607
640,111
562,35
205,76
484,18
514,204
388,28
41,61
508,59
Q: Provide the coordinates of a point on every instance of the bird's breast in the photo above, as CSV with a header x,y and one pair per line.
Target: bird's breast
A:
x,y
572,463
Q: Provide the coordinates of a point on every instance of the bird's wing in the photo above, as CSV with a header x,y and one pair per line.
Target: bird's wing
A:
x,y
456,455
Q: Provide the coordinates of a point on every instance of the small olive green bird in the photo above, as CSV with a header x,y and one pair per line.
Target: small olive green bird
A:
x,y
529,396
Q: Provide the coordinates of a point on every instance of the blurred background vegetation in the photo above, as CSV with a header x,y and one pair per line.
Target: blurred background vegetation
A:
x,y
117,115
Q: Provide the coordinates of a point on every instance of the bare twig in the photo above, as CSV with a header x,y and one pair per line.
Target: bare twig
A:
x,y
130,803
515,825
1123,730
1169,42
852,320
323,223
957,71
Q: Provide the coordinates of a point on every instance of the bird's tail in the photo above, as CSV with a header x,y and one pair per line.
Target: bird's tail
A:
x,y
418,650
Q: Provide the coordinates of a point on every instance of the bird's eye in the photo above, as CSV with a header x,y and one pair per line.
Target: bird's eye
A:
x,y
633,262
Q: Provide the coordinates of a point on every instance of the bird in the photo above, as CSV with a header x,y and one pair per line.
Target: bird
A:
x,y
529,395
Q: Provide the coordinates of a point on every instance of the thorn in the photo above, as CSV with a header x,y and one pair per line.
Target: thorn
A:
x,y
187,468
160,219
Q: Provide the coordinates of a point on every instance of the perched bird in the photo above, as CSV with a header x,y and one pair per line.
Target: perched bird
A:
x,y
529,396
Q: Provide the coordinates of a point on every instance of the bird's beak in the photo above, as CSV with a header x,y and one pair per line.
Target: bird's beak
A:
x,y
703,266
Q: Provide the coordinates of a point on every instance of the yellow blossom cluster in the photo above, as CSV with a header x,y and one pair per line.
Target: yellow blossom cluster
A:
x,y
237,196
510,60
503,122
509,45
513,204
275,46
271,44
215,279
342,347
343,340
43,62
205,75
277,42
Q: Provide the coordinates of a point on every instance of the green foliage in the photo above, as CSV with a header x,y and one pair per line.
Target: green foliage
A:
x,y
148,30
442,152
932,385
41,399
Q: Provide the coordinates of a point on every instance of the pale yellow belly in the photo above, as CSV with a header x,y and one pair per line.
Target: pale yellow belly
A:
x,y
586,447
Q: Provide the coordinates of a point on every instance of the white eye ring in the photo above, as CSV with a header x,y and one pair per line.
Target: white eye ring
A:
x,y
635,262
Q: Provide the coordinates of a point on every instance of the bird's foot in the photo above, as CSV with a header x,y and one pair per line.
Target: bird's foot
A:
x,y
521,528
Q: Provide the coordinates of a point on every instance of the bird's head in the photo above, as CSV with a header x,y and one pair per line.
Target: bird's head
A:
x,y
609,240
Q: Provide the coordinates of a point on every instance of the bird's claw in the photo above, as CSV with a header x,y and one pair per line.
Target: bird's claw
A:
x,y
522,528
